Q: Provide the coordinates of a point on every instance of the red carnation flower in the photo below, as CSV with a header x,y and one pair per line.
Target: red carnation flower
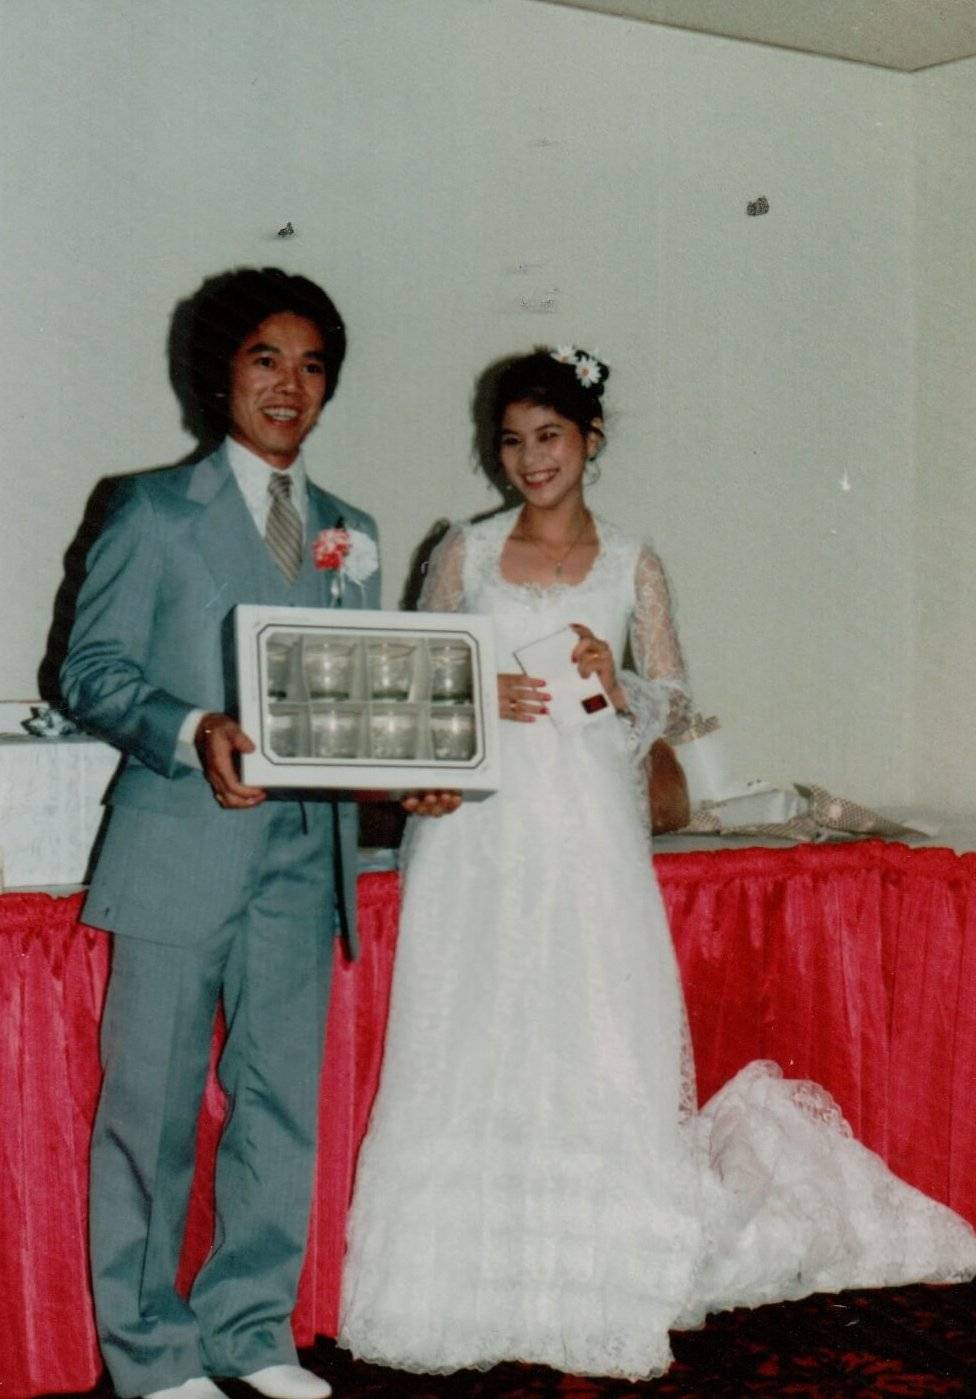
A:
x,y
329,548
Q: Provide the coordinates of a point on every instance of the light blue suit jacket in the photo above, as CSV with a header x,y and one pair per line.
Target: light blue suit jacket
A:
x,y
153,639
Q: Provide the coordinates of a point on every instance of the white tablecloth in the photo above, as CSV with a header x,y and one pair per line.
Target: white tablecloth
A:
x,y
50,807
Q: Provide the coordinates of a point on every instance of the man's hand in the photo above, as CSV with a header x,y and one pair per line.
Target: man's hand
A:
x,y
217,739
431,803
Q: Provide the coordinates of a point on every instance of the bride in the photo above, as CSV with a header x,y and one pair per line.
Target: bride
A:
x,y
536,1183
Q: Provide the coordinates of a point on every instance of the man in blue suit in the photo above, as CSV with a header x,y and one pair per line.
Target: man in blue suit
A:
x,y
213,892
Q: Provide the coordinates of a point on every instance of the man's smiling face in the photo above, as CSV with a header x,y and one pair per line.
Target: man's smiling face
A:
x,y
277,387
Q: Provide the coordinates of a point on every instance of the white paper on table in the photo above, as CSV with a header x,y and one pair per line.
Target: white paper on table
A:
x,y
761,804
708,767
575,701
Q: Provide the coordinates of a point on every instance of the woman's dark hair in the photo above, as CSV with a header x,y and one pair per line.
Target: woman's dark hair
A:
x,y
210,327
571,386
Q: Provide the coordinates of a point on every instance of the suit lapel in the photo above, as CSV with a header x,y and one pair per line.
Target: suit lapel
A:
x,y
225,533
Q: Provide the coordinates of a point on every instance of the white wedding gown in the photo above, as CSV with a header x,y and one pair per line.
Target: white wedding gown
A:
x,y
535,1183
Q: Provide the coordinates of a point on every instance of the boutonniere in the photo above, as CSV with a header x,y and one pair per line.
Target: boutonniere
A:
x,y
345,553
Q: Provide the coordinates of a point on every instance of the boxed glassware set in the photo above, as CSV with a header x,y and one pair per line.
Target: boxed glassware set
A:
x,y
369,701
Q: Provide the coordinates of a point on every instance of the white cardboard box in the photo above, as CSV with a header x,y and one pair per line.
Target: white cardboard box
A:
x,y
573,700
368,701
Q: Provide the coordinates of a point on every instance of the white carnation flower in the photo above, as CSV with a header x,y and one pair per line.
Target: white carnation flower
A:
x,y
363,558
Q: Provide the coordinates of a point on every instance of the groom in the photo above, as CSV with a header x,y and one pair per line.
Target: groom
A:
x,y
214,893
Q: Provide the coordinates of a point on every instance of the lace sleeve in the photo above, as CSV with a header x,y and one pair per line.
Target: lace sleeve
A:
x,y
443,586
657,692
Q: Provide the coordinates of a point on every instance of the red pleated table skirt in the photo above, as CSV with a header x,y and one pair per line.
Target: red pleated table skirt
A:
x,y
854,965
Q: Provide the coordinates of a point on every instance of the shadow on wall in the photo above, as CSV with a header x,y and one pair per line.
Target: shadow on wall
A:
x,y
191,374
419,560
67,595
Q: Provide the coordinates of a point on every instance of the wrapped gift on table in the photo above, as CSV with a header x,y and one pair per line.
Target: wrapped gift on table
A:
x,y
758,803
368,701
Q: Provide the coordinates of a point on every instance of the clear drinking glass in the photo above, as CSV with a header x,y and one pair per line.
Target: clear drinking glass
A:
x,y
450,672
390,665
327,662
286,733
452,734
278,654
337,731
394,731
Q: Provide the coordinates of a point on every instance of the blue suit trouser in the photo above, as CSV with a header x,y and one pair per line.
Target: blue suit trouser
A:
x,y
268,960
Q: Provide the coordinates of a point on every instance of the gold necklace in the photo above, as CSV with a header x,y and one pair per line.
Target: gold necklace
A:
x,y
557,564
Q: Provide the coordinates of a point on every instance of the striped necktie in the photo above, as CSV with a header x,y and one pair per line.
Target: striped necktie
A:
x,y
283,532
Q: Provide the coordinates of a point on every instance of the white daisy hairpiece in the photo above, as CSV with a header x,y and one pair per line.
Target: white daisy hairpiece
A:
x,y
588,369
588,372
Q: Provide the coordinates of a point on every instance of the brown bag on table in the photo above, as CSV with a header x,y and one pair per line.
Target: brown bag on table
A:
x,y
667,789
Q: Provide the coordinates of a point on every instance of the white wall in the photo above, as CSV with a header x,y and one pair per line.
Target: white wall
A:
x,y
945,663
470,177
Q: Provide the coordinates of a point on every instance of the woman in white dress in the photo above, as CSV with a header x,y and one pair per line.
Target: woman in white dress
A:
x,y
536,1183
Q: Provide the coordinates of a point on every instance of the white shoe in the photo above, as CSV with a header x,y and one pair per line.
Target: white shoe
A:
x,y
199,1388
287,1382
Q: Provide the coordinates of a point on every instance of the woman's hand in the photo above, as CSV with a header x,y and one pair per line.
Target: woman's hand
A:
x,y
522,698
591,656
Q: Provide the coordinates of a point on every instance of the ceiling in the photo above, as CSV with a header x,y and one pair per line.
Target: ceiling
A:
x,y
905,35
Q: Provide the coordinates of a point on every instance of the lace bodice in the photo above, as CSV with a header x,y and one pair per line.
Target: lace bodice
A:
x,y
624,599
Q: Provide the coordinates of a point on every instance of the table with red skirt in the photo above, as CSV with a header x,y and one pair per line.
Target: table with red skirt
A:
x,y
853,965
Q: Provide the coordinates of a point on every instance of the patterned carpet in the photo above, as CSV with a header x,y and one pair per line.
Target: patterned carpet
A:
x,y
913,1342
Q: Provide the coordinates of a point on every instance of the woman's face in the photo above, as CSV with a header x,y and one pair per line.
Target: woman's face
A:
x,y
544,454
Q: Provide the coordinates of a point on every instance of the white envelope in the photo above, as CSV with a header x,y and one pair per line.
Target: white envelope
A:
x,y
575,701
